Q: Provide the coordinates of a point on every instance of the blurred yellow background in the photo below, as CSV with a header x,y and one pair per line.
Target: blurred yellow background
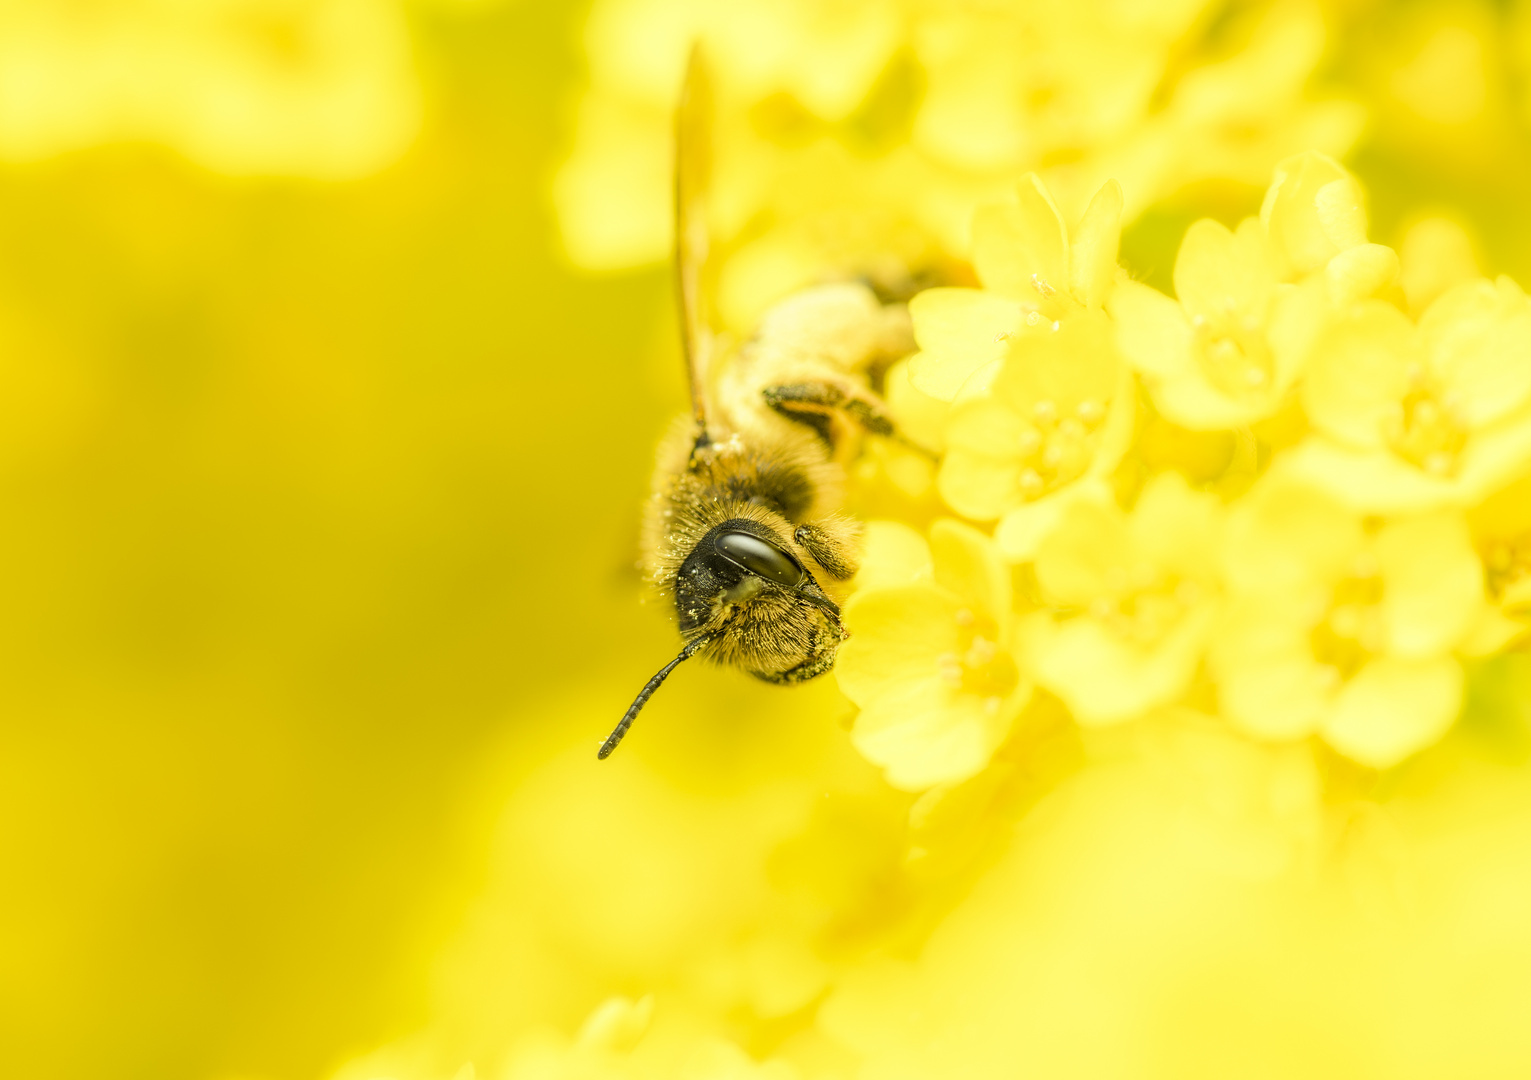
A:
x,y
313,490
321,471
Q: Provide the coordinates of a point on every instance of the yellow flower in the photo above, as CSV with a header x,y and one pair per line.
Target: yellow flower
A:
x,y
1040,397
1312,212
929,660
1034,272
1411,418
1501,526
1228,353
1057,413
1138,596
1342,629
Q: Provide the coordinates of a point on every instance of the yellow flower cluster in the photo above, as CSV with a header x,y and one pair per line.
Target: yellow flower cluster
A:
x,y
1185,730
874,126
1327,571
323,88
1187,700
1126,736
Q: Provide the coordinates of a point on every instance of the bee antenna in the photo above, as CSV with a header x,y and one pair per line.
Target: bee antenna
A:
x,y
643,697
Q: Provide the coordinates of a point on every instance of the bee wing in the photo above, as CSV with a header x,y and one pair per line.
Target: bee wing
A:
x,y
693,161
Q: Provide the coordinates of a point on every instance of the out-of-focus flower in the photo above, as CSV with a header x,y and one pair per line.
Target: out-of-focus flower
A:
x,y
858,135
1139,593
929,661
325,89
1501,527
1313,215
797,71
1233,117
1337,628
1195,826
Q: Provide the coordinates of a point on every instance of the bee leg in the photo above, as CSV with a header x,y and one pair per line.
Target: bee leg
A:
x,y
833,545
815,403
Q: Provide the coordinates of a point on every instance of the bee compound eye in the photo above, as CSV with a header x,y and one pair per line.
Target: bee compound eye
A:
x,y
759,557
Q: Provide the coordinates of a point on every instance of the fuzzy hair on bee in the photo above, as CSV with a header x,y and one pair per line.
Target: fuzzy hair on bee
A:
x,y
744,532
768,493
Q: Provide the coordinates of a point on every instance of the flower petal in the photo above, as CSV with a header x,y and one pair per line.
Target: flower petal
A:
x,y
1196,404
958,331
897,635
1370,481
1087,555
1216,279
1359,372
1288,535
1178,529
1359,272
920,417
1268,682
979,486
1496,456
1478,339
1341,212
1064,367
1092,257
1312,212
932,734
985,425
1121,423
1493,632
1298,317
1152,331
1105,680
892,554
1021,248
967,563
1393,708
1021,531
1432,582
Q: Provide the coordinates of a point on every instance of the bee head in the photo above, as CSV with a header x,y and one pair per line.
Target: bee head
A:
x,y
740,565
745,595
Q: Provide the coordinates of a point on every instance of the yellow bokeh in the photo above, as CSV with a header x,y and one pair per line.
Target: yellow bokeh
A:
x,y
335,337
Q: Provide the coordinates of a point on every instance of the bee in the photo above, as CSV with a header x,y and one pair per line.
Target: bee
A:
x,y
744,531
